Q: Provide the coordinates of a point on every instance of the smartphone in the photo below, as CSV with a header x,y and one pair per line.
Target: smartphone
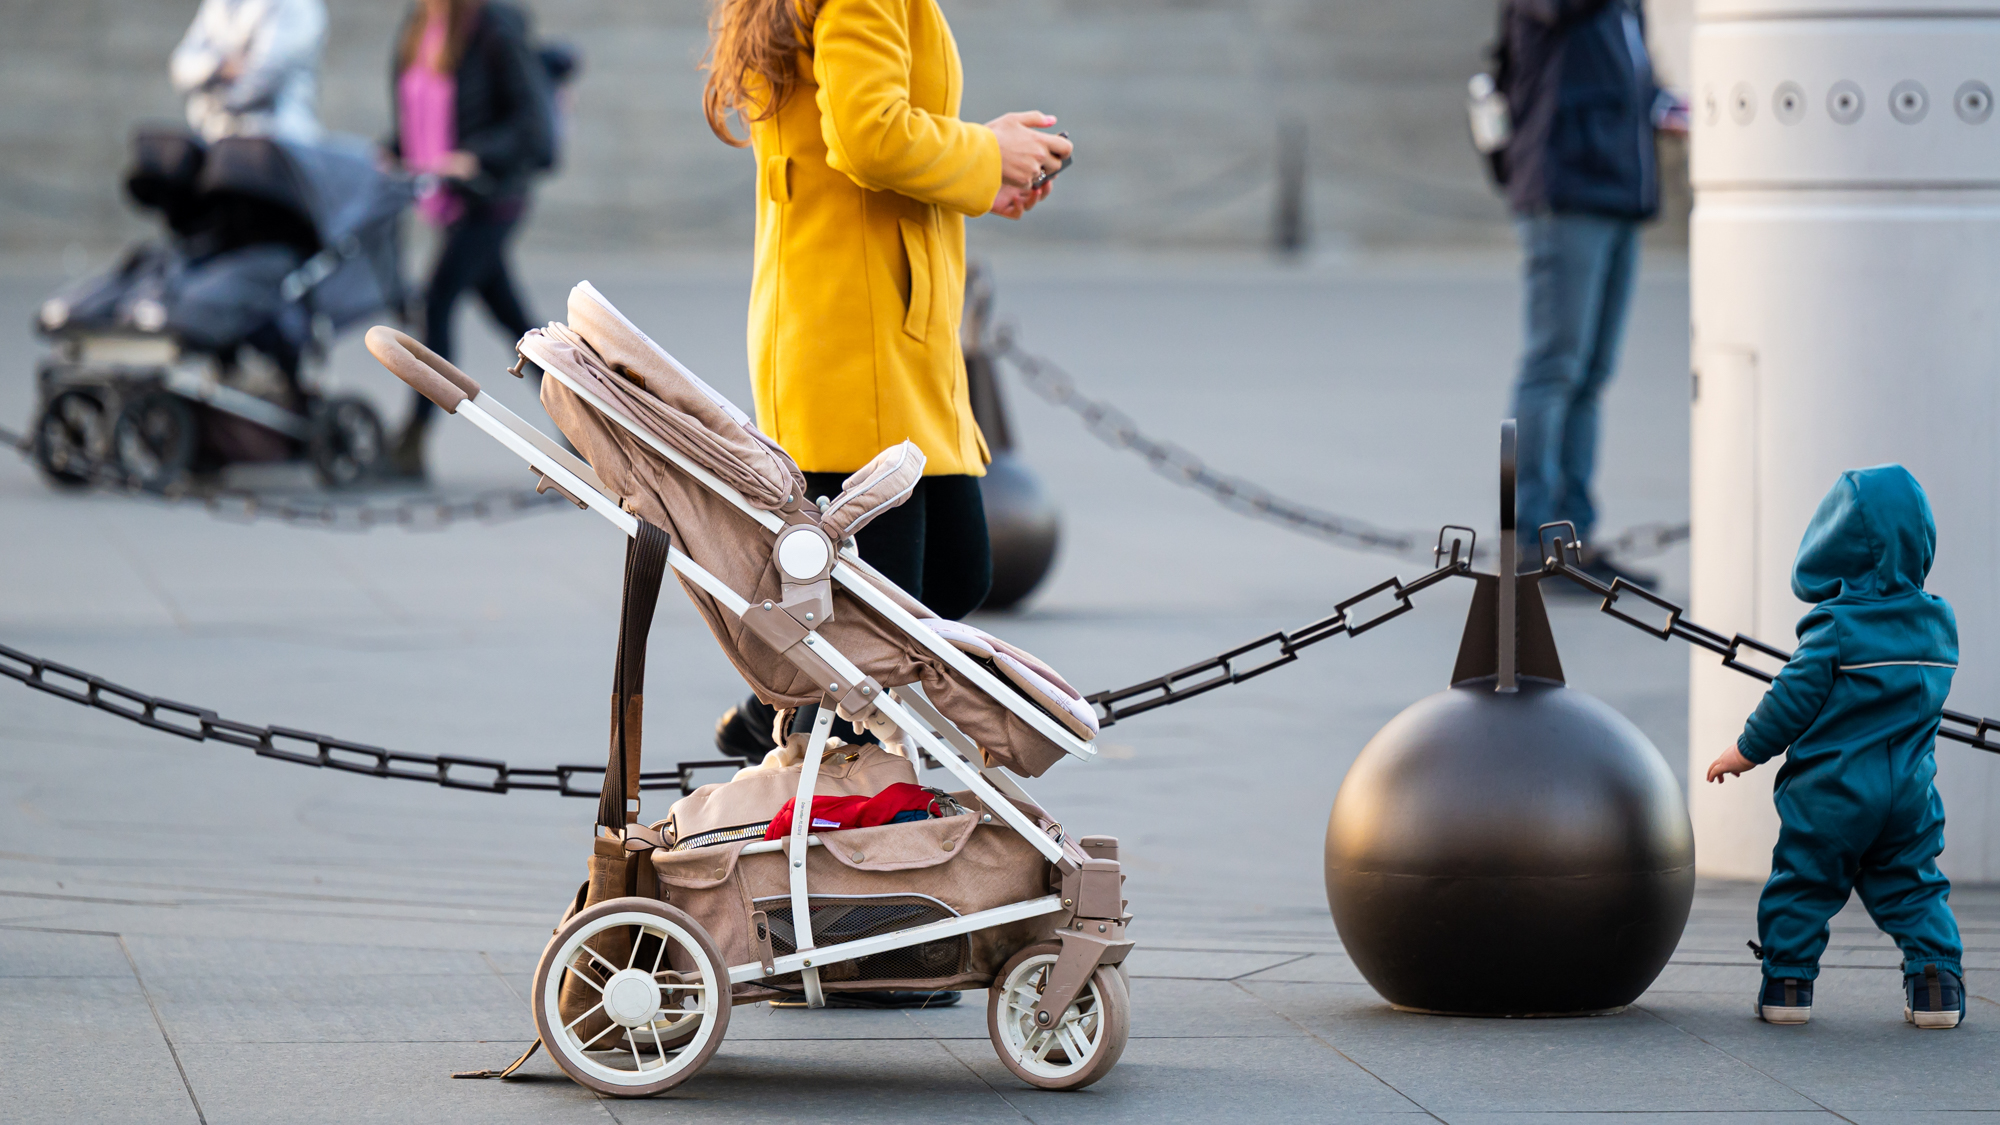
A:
x,y
1036,183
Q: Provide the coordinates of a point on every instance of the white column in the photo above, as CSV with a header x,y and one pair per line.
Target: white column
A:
x,y
1845,265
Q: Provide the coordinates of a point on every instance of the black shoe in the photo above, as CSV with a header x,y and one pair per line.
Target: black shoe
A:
x,y
885,999
744,731
1934,998
1784,1000
406,456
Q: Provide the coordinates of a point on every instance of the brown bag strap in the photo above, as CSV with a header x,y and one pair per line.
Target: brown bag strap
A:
x,y
645,565
511,1067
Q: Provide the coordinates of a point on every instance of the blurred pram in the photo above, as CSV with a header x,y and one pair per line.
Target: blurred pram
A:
x,y
191,353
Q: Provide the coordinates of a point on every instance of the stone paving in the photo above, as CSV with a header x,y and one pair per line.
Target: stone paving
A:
x,y
189,933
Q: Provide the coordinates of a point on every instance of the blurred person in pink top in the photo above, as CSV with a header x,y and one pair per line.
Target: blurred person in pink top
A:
x,y
472,117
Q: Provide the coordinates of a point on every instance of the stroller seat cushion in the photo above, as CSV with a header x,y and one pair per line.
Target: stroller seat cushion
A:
x,y
884,482
1037,681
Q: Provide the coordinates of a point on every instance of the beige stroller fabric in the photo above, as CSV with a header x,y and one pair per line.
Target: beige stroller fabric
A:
x,y
603,352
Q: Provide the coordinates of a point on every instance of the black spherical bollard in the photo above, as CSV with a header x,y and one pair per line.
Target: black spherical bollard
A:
x,y
1510,854
1021,524
1509,847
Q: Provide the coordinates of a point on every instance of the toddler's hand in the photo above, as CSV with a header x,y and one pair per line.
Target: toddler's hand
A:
x,y
1731,762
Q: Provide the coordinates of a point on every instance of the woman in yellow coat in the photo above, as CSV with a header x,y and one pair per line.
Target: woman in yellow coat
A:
x,y
865,177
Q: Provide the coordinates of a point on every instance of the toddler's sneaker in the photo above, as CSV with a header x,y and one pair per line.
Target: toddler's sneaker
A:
x,y
1934,998
1785,1000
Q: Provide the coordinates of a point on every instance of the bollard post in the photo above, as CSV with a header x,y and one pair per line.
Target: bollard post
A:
x,y
1509,561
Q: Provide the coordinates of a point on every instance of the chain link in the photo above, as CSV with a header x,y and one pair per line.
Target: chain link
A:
x,y
1117,429
199,724
241,505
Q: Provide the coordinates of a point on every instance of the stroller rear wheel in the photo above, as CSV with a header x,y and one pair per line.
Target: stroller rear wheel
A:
x,y
71,438
648,997
345,441
1084,1044
154,440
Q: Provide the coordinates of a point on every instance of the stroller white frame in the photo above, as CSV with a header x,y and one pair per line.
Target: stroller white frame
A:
x,y
906,707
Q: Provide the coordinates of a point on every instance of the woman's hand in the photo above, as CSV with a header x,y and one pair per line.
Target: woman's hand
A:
x,y
1014,202
458,165
1025,151
1731,762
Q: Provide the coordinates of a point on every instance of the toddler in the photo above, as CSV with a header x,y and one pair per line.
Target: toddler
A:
x,y
1856,714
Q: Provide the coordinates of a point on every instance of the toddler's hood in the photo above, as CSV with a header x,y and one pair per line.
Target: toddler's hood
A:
x,y
1872,536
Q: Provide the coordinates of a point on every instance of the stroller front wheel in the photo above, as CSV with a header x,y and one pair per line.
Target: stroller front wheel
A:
x,y
631,997
1085,1043
154,440
71,438
344,441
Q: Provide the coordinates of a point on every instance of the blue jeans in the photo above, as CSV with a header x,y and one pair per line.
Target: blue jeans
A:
x,y
1579,282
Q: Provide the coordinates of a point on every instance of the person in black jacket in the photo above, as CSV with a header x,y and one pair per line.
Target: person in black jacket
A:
x,y
1580,175
471,110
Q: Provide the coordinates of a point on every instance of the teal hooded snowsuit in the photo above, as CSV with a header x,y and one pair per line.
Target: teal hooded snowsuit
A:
x,y
1858,706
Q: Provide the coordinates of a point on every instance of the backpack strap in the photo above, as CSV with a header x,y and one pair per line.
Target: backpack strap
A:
x,y
645,565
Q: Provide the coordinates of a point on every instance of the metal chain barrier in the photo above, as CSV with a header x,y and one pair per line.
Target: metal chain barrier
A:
x,y
1452,553
199,724
240,505
1562,558
1283,647
1116,429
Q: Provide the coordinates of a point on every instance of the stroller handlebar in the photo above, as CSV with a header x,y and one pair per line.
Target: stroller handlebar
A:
x,y
429,373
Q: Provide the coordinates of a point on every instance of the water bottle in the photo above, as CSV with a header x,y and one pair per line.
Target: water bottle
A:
x,y
1486,112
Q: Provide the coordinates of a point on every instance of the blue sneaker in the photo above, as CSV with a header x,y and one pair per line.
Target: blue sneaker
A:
x,y
1934,998
1786,1000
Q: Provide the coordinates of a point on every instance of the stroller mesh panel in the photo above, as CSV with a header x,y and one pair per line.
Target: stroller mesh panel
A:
x,y
836,920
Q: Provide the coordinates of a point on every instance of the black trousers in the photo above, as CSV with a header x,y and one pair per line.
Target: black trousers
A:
x,y
474,257
933,545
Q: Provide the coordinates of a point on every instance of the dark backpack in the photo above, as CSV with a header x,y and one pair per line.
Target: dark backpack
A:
x,y
559,64
1502,60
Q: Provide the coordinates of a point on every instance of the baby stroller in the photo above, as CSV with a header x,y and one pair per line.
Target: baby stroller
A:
x,y
733,897
187,356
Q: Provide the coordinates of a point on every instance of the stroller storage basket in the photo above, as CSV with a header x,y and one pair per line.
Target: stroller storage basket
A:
x,y
836,919
956,865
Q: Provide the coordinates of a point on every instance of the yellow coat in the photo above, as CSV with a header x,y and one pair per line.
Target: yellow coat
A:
x,y
864,179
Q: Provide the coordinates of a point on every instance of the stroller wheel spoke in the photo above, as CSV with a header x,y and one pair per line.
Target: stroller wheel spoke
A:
x,y
584,977
585,1045
594,956
597,1007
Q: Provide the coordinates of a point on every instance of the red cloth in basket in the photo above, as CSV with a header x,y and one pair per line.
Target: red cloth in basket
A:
x,y
854,811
